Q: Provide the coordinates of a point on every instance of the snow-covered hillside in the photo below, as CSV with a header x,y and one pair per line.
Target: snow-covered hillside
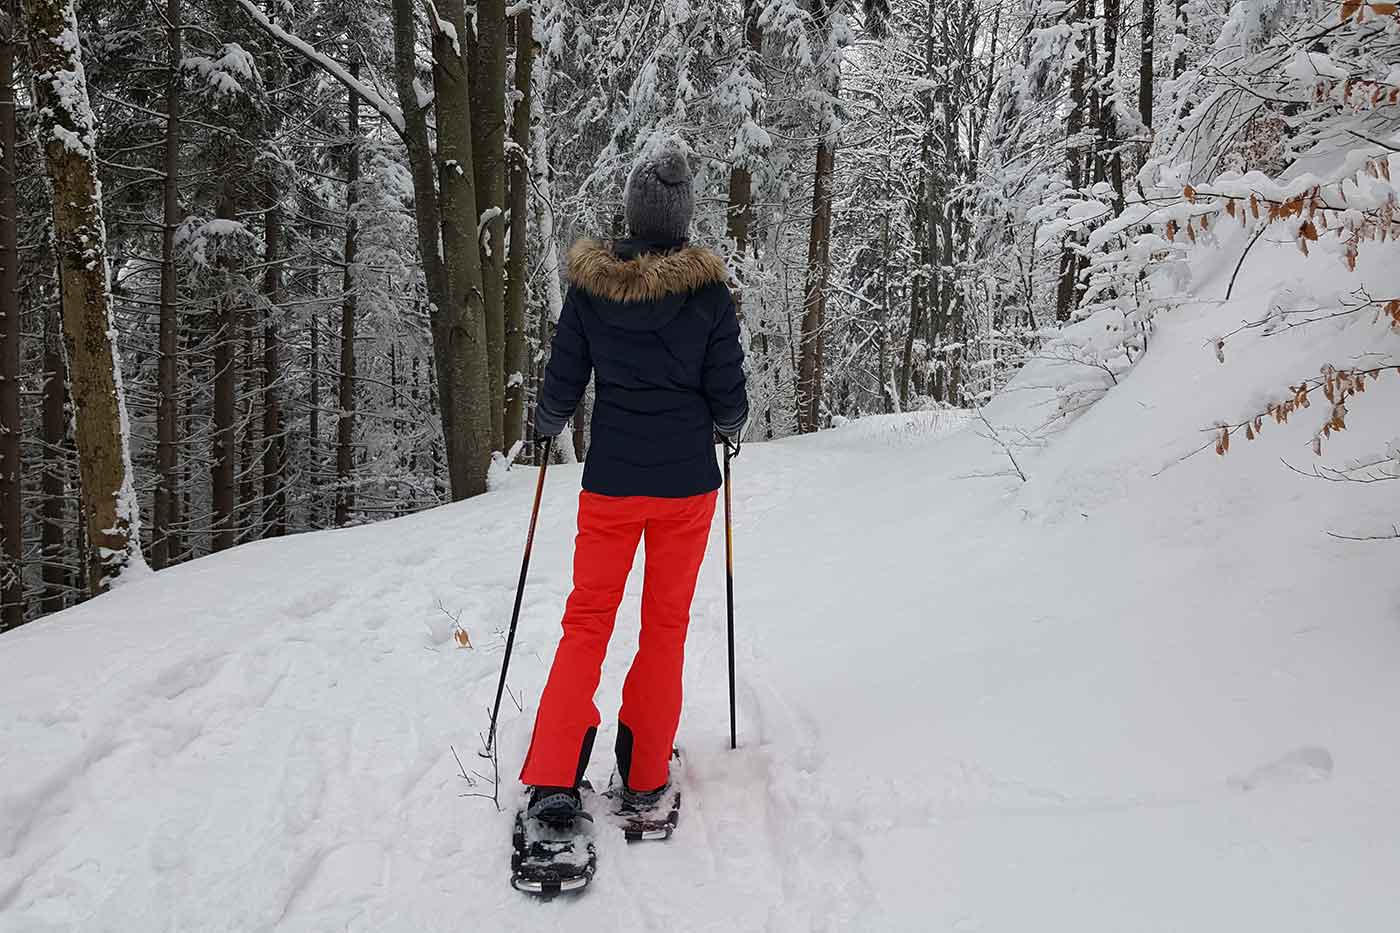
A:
x,y
1136,692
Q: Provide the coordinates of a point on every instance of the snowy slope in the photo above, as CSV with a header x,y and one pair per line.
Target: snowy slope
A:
x,y
1137,692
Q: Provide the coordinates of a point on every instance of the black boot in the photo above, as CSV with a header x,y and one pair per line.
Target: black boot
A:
x,y
641,802
633,802
559,807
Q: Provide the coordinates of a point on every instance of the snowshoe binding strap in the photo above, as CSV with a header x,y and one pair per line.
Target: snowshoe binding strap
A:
x,y
641,801
560,808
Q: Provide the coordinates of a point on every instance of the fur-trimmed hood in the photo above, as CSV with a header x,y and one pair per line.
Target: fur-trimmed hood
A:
x,y
597,268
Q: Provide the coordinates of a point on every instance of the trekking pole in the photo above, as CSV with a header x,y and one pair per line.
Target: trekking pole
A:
x,y
519,596
729,592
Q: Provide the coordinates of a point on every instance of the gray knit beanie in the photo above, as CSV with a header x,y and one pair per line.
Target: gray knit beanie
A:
x,y
659,196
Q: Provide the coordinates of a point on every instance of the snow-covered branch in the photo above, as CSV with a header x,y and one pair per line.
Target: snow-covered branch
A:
x,y
331,67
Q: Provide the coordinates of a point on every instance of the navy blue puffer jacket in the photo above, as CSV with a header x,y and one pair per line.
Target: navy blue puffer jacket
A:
x,y
655,324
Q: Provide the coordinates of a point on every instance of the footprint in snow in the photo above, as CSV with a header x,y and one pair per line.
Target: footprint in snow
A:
x,y
313,603
1310,764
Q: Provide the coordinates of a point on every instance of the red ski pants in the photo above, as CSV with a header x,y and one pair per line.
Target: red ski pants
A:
x,y
609,528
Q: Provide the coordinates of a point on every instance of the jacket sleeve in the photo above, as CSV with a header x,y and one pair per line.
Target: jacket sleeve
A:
x,y
566,376
723,375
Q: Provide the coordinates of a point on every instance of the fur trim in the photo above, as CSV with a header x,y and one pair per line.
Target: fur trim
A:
x,y
648,277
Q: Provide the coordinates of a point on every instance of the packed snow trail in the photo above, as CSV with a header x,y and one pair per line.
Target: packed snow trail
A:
x,y
1141,691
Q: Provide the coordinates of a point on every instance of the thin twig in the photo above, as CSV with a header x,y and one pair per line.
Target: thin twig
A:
x,y
460,767
1333,475
1240,264
1005,447
1393,536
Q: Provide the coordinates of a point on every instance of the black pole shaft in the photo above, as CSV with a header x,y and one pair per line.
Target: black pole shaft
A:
x,y
729,594
519,594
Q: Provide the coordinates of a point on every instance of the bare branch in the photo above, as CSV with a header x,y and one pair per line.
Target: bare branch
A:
x,y
327,64
1393,536
1004,445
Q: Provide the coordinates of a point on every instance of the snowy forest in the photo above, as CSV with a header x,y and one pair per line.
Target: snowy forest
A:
x,y
269,266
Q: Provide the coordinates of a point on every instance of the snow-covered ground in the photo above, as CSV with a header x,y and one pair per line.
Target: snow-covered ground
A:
x,y
1137,692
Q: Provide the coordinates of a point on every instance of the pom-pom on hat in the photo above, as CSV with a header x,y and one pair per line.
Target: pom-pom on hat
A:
x,y
659,196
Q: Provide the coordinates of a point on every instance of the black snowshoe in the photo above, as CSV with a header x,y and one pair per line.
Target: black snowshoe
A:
x,y
650,816
554,852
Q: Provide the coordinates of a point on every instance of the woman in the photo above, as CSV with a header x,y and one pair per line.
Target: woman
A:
x,y
651,318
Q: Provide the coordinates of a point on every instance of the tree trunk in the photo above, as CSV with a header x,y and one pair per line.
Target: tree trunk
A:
x,y
183,546
415,462
956,32
313,427
11,425
167,492
517,268
739,212
274,457
426,208
809,373
445,210
54,483
1145,66
225,391
247,460
809,369
542,167
544,217
345,422
467,383
1179,65
272,516
1110,153
740,209
1066,299
918,282
68,132
487,79
887,401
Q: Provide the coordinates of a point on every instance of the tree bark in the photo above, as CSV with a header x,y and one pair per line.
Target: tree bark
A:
x,y
313,427
225,391
517,268
426,207
1145,66
1110,153
739,214
487,79
919,280
1179,64
1067,295
541,165
53,485
467,382
251,376
68,134
809,373
739,211
274,458
957,31
11,425
445,210
272,516
167,492
345,421
809,367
